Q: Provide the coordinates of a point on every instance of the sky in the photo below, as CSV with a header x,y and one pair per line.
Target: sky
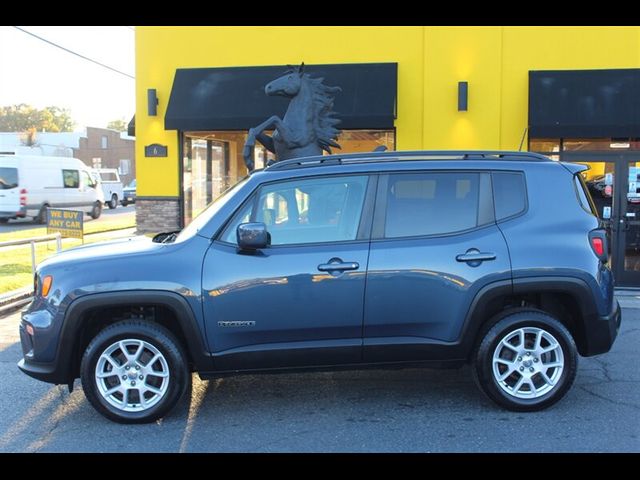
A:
x,y
39,74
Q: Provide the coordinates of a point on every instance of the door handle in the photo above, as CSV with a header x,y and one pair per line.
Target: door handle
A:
x,y
475,256
335,264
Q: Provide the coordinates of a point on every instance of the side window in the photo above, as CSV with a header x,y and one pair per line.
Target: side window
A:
x,y
509,194
87,181
305,210
70,178
435,203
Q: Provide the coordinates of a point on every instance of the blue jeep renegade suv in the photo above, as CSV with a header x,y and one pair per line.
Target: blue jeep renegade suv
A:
x,y
497,259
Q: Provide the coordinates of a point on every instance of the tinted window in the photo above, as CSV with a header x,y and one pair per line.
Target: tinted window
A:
x,y
70,178
431,203
509,193
305,210
8,178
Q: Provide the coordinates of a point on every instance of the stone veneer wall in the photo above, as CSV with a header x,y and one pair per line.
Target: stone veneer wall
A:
x,y
157,215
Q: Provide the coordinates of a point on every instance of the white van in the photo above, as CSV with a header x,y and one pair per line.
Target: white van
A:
x,y
29,184
111,185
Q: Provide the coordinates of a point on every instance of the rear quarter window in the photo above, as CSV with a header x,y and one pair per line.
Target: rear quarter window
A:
x,y
582,191
509,194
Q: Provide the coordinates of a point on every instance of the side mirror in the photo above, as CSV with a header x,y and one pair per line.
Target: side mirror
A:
x,y
253,236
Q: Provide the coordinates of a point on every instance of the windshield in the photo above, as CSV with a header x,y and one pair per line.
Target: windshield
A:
x,y
8,178
203,218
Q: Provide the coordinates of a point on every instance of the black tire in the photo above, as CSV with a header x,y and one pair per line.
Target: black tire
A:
x,y
42,215
113,203
96,211
123,203
503,325
160,338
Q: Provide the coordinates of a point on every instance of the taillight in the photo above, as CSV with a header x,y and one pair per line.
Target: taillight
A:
x,y
598,246
23,197
598,242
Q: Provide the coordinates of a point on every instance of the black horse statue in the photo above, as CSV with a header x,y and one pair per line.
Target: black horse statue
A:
x,y
308,126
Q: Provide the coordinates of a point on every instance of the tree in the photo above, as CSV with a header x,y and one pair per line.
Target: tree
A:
x,y
120,125
22,117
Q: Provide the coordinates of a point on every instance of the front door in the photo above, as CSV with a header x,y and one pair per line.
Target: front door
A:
x,y
300,301
613,180
434,244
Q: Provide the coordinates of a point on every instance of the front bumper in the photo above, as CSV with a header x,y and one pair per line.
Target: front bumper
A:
x,y
39,347
602,331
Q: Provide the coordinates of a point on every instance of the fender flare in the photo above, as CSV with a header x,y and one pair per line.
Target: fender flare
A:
x,y
577,288
72,325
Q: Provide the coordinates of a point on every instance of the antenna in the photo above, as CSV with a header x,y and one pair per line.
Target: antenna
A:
x,y
522,139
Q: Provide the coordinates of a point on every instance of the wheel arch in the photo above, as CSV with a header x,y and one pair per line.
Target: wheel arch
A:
x,y
79,320
568,298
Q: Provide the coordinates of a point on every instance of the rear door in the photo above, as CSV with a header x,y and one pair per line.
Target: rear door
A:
x,y
9,191
435,243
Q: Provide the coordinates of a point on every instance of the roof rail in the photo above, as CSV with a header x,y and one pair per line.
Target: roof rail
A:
x,y
367,157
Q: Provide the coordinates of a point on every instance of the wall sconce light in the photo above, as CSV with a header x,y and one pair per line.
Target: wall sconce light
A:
x,y
152,102
463,96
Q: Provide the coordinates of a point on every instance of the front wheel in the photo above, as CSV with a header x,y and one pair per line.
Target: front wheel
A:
x,y
526,362
113,203
134,372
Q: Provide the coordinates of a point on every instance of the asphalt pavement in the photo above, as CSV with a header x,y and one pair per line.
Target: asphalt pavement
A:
x,y
413,410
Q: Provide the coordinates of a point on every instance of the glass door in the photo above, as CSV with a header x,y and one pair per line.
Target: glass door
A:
x,y
629,238
604,180
614,182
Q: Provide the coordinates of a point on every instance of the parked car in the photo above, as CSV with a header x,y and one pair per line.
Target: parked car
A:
x,y
495,259
30,183
129,193
111,186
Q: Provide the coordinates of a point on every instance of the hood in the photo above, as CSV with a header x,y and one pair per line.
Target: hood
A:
x,y
86,253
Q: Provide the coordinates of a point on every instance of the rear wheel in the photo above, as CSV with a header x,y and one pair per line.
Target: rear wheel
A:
x,y
113,203
134,372
42,215
96,210
527,361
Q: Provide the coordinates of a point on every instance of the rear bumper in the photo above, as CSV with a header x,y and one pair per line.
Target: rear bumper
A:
x,y
19,214
602,331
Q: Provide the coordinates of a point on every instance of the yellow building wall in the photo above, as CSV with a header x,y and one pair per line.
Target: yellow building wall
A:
x,y
431,61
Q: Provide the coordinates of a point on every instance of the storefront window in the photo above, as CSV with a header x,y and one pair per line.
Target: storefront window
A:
x,y
212,161
544,145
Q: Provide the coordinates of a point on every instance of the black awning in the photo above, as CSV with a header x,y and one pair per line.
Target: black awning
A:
x,y
584,103
131,128
234,98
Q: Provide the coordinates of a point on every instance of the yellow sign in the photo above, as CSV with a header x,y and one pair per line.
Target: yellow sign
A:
x,y
68,222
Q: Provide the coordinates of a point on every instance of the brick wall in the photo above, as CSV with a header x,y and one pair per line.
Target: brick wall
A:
x,y
157,215
117,148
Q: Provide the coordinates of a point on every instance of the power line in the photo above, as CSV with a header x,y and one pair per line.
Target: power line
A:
x,y
74,53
